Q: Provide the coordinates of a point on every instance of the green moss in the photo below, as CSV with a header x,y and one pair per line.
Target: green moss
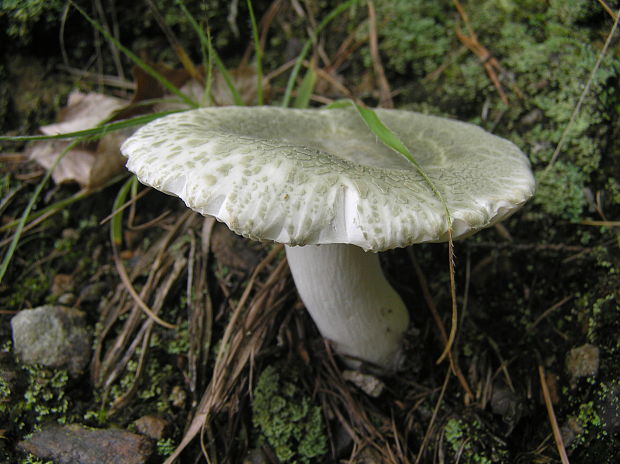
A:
x,y
43,397
165,447
32,459
286,418
560,191
469,440
46,394
414,35
547,56
21,15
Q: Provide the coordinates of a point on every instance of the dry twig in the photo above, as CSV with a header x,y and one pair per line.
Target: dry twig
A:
x,y
490,63
557,435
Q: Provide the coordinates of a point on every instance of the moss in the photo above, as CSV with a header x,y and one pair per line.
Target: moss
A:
x,y
165,447
560,191
414,35
469,440
547,57
43,397
32,459
22,15
286,418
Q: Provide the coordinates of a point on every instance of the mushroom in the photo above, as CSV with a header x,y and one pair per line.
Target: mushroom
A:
x,y
318,181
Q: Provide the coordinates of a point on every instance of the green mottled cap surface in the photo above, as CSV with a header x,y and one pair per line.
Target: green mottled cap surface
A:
x,y
316,176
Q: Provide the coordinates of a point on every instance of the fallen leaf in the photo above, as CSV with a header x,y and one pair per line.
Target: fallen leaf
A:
x,y
89,164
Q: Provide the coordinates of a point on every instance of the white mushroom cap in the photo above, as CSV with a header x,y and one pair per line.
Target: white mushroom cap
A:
x,y
318,176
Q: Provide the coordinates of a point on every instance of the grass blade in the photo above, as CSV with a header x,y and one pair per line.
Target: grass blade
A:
x,y
391,140
306,48
116,223
205,41
26,214
139,62
95,132
259,56
305,89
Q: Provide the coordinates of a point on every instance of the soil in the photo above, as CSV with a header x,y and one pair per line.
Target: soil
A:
x,y
535,370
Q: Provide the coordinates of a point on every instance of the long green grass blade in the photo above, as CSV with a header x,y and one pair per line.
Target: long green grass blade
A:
x,y
207,53
4,266
259,56
116,223
391,140
95,132
136,59
205,41
306,48
62,204
305,89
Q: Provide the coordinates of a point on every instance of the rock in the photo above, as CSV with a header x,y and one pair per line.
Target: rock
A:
x,y
255,456
152,426
54,336
74,443
507,404
369,384
582,361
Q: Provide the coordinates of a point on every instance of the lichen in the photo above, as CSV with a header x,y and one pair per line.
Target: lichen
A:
x,y
547,57
286,419
413,35
560,191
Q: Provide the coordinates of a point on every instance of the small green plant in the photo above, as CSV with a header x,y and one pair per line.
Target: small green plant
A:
x,y
286,418
469,440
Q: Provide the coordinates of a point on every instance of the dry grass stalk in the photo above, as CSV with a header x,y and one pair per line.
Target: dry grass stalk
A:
x,y
557,435
243,337
439,323
385,94
163,269
358,417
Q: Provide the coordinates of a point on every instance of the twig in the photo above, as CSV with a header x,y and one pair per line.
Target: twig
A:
x,y
438,322
554,423
548,311
431,424
608,10
385,94
122,272
490,63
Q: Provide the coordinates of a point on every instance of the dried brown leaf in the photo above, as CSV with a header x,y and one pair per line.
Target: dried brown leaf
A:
x,y
89,164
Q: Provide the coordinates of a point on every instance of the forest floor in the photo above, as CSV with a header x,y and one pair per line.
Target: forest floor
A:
x,y
228,365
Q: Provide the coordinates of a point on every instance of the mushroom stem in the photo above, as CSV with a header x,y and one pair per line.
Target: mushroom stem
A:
x,y
351,302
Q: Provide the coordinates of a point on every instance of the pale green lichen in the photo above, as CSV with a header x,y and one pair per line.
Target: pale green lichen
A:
x,y
287,419
547,56
560,191
414,35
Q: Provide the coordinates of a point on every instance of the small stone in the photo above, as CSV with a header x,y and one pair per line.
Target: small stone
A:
x,y
570,431
61,283
255,456
54,336
505,403
178,396
77,444
582,361
152,426
369,384
66,299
